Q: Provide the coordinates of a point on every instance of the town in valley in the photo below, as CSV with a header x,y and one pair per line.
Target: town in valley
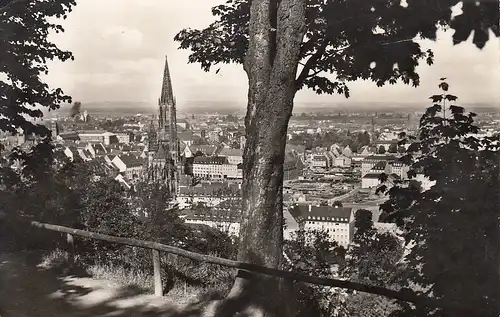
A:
x,y
332,165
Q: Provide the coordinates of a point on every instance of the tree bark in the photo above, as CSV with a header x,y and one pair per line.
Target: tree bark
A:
x,y
277,29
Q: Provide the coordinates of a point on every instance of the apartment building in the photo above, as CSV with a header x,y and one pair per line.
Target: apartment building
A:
x,y
216,167
337,222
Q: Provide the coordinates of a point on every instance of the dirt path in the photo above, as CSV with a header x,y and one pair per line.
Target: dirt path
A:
x,y
28,290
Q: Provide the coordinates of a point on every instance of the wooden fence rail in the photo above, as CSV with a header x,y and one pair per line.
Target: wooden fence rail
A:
x,y
157,247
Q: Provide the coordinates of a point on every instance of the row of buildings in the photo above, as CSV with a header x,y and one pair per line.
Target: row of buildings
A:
x,y
337,222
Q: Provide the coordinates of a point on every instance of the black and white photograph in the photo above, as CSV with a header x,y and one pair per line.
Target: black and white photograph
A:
x,y
249,158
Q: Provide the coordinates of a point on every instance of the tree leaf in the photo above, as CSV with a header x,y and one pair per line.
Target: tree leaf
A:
x,y
450,97
444,86
436,98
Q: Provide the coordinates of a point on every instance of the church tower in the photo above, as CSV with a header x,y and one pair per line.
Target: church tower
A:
x,y
164,145
167,121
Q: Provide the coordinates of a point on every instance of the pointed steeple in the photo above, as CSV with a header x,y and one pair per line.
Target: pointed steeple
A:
x,y
167,94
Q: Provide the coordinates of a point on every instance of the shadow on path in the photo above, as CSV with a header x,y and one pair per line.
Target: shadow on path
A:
x,y
28,290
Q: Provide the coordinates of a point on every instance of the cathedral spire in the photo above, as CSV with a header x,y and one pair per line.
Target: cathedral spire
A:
x,y
167,95
164,142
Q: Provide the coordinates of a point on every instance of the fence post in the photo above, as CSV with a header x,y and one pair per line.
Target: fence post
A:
x,y
71,249
157,273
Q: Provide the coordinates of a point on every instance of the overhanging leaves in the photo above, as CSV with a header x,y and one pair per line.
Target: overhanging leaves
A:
x,y
24,52
344,39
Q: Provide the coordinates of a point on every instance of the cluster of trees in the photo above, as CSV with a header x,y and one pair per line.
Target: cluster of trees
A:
x,y
453,226
111,125
52,189
26,48
76,109
373,259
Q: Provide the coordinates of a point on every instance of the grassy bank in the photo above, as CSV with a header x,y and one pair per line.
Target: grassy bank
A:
x,y
182,280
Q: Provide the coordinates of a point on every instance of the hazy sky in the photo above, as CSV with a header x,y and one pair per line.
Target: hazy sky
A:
x,y
120,46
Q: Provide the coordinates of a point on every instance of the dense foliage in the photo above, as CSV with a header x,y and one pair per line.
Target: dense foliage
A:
x,y
75,109
451,228
374,258
349,40
75,194
314,253
24,52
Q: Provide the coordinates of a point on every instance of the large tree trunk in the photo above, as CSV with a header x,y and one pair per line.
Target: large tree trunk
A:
x,y
276,32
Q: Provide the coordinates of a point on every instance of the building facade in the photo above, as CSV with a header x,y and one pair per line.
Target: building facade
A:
x,y
234,156
124,137
96,136
216,167
369,162
319,161
337,222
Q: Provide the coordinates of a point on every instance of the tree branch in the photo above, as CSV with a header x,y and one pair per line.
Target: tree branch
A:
x,y
314,73
400,41
8,5
311,62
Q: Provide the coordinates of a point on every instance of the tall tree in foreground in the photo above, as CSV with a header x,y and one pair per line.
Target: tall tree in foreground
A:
x,y
24,51
452,228
348,40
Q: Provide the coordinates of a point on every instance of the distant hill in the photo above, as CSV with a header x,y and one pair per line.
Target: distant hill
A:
x,y
128,108
109,108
